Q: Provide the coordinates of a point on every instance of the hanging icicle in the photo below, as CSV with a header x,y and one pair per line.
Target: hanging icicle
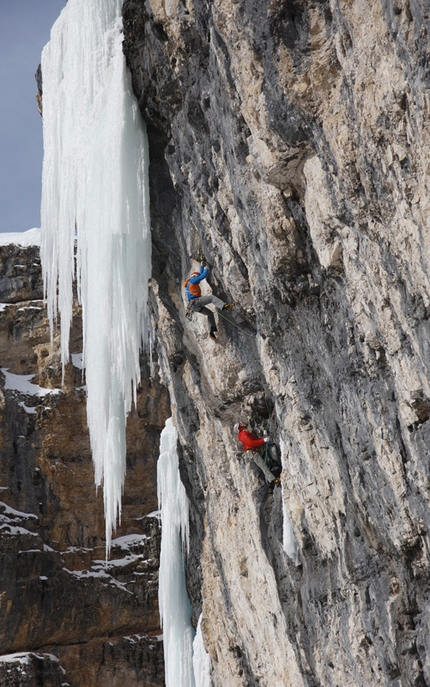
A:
x,y
201,659
175,609
95,200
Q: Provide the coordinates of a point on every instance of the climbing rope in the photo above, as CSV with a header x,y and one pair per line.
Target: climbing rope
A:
x,y
236,325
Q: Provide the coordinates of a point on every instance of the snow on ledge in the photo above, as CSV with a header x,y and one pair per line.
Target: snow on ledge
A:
x,y
25,657
23,384
129,540
21,238
9,511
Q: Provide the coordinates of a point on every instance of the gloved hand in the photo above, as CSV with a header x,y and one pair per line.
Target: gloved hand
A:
x,y
267,440
203,262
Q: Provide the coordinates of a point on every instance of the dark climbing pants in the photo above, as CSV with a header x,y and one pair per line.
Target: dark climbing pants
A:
x,y
259,460
199,304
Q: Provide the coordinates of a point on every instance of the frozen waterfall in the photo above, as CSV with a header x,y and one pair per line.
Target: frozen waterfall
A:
x,y
95,195
175,608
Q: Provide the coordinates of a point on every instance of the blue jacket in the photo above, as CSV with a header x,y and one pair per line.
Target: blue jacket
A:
x,y
194,281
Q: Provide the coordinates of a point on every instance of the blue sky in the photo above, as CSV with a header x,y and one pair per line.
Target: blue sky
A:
x,y
24,29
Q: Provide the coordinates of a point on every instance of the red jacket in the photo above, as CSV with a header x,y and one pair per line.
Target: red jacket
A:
x,y
249,440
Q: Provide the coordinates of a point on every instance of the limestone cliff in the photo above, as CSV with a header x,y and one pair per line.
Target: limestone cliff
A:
x,y
289,146
68,616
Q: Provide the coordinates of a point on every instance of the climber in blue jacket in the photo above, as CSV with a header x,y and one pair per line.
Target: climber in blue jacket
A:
x,y
197,302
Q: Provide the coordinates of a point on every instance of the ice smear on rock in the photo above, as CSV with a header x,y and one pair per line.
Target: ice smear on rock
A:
x,y
95,193
175,608
289,543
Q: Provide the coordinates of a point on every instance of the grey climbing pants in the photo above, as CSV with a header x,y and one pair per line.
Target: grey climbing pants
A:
x,y
199,304
259,460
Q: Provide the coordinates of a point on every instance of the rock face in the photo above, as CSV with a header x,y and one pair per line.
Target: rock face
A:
x,y
68,616
289,147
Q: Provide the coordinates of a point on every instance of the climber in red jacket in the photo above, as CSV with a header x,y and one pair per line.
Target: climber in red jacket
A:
x,y
253,444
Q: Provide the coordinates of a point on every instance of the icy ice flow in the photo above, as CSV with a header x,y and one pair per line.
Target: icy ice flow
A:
x,y
175,608
201,659
95,196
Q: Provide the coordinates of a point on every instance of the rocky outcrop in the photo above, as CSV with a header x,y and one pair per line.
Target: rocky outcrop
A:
x,y
289,148
69,616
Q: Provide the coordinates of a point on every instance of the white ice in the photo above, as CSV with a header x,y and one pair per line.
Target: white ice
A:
x,y
175,608
288,541
77,360
95,199
201,659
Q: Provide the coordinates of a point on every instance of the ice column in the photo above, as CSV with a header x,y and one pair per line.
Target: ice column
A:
x,y
289,542
175,608
95,196
201,659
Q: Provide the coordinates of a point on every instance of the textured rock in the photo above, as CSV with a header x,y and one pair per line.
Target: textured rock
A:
x,y
289,147
20,274
70,616
31,669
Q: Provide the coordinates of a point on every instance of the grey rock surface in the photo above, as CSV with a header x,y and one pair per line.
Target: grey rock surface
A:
x,y
20,274
289,147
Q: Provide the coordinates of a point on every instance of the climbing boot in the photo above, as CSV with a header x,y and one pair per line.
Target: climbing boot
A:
x,y
212,335
228,306
273,484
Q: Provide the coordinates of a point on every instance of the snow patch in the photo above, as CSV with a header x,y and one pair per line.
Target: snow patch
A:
x,y
77,360
100,573
153,514
129,540
23,658
23,384
30,307
24,238
28,409
17,514
14,530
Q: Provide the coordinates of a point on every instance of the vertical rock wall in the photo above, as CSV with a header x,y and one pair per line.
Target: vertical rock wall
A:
x,y
289,147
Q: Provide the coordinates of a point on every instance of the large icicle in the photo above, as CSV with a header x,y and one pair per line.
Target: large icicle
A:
x,y
175,609
95,191
201,659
